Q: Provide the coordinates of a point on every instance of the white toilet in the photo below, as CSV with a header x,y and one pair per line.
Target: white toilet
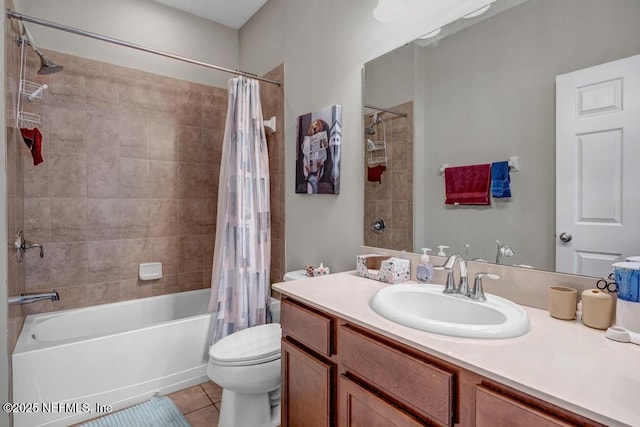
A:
x,y
246,364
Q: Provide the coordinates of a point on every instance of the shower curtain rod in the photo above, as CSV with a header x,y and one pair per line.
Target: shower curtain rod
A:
x,y
385,110
26,18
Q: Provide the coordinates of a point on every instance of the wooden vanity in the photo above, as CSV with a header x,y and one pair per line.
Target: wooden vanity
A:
x,y
341,369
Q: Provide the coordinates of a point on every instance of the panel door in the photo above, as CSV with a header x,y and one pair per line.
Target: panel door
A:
x,y
597,167
307,383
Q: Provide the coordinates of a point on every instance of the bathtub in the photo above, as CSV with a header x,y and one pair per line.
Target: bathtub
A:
x,y
73,365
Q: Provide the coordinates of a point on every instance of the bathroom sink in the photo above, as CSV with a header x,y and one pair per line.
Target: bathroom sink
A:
x,y
425,307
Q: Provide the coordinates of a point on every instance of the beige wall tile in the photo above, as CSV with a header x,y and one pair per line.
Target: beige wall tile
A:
x,y
132,253
190,281
163,179
103,219
163,141
190,254
167,285
190,144
167,251
189,222
67,129
163,218
133,134
68,220
37,220
134,218
103,177
102,133
103,261
36,178
67,175
134,178
190,179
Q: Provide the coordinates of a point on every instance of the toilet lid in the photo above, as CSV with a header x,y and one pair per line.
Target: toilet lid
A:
x,y
250,346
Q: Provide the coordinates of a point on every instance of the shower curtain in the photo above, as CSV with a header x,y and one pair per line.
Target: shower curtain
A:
x,y
240,288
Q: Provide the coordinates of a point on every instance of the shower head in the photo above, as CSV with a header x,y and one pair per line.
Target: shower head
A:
x,y
46,65
369,130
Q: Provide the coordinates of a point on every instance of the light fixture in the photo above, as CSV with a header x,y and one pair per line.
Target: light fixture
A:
x,y
477,12
390,10
431,34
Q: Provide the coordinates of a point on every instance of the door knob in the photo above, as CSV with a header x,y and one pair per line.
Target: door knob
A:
x,y
566,237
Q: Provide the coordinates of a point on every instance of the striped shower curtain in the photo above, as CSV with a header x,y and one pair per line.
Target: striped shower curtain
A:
x,y
240,289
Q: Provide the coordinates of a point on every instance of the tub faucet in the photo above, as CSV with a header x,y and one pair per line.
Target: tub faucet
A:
x,y
463,286
27,298
503,251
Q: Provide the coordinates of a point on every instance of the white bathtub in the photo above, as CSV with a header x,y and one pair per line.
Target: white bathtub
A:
x,y
115,354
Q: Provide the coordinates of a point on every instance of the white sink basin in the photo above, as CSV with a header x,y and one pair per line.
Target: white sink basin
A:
x,y
425,307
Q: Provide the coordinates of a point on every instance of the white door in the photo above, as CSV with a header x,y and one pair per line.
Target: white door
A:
x,y
598,167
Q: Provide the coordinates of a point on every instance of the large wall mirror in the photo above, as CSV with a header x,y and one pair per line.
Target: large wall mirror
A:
x,y
483,89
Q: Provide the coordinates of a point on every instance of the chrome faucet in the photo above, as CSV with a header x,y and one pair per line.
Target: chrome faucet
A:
x,y
463,285
27,298
503,251
477,293
22,245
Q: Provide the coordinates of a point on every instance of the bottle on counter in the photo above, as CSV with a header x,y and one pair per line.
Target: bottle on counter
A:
x,y
424,272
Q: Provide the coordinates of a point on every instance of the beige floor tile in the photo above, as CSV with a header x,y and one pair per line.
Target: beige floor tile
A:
x,y
213,390
205,417
190,399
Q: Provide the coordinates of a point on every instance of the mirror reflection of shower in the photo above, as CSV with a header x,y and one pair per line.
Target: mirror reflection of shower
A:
x,y
369,130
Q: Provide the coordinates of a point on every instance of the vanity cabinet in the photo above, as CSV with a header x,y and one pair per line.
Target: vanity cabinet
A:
x,y
308,369
336,373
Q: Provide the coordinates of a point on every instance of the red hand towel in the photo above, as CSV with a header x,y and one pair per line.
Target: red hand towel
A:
x,y
468,185
33,139
374,173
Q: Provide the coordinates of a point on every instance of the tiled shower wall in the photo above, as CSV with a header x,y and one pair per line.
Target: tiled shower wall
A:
x,y
392,199
130,175
15,188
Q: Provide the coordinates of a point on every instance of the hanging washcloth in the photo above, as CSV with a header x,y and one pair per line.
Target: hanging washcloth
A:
x,y
467,185
33,139
374,173
500,180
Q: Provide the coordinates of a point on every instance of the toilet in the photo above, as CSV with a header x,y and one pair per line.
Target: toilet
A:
x,y
246,364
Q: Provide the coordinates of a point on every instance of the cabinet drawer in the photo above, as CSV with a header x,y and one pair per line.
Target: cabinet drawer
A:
x,y
308,327
360,407
412,381
494,409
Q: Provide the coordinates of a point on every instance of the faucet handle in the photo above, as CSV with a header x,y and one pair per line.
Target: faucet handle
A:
x,y
449,287
478,293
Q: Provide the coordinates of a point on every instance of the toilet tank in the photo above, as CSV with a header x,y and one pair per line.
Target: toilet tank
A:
x,y
275,310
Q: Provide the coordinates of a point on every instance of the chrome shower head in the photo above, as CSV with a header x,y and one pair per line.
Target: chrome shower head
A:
x,y
369,130
47,66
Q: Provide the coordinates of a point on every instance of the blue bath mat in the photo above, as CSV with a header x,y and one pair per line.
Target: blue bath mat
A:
x,y
157,412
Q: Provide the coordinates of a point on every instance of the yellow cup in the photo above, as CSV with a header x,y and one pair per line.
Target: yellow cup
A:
x,y
563,302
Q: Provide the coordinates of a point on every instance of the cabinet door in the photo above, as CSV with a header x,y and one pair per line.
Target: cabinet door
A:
x,y
306,388
361,408
496,410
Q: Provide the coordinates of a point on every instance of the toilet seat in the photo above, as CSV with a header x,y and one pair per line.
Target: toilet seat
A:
x,y
250,346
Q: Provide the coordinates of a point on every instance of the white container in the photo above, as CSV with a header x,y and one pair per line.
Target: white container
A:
x,y
627,277
628,315
150,271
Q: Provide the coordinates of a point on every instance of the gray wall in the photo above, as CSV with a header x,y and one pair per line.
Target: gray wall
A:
x,y
324,46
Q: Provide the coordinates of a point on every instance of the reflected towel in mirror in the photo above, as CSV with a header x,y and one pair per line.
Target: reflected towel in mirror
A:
x,y
500,180
467,185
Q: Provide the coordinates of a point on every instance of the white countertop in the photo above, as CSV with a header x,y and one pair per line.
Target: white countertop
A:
x,y
562,362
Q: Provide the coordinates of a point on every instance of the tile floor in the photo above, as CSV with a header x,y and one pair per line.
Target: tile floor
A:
x,y
199,404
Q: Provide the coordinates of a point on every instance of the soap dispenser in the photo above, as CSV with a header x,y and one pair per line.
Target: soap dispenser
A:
x,y
424,272
441,249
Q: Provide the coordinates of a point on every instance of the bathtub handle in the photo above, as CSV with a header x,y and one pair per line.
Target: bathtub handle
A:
x,y
22,245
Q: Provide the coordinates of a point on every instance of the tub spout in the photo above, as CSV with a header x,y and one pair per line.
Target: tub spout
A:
x,y
27,298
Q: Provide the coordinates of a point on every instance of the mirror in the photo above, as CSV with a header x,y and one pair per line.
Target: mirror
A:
x,y
481,91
